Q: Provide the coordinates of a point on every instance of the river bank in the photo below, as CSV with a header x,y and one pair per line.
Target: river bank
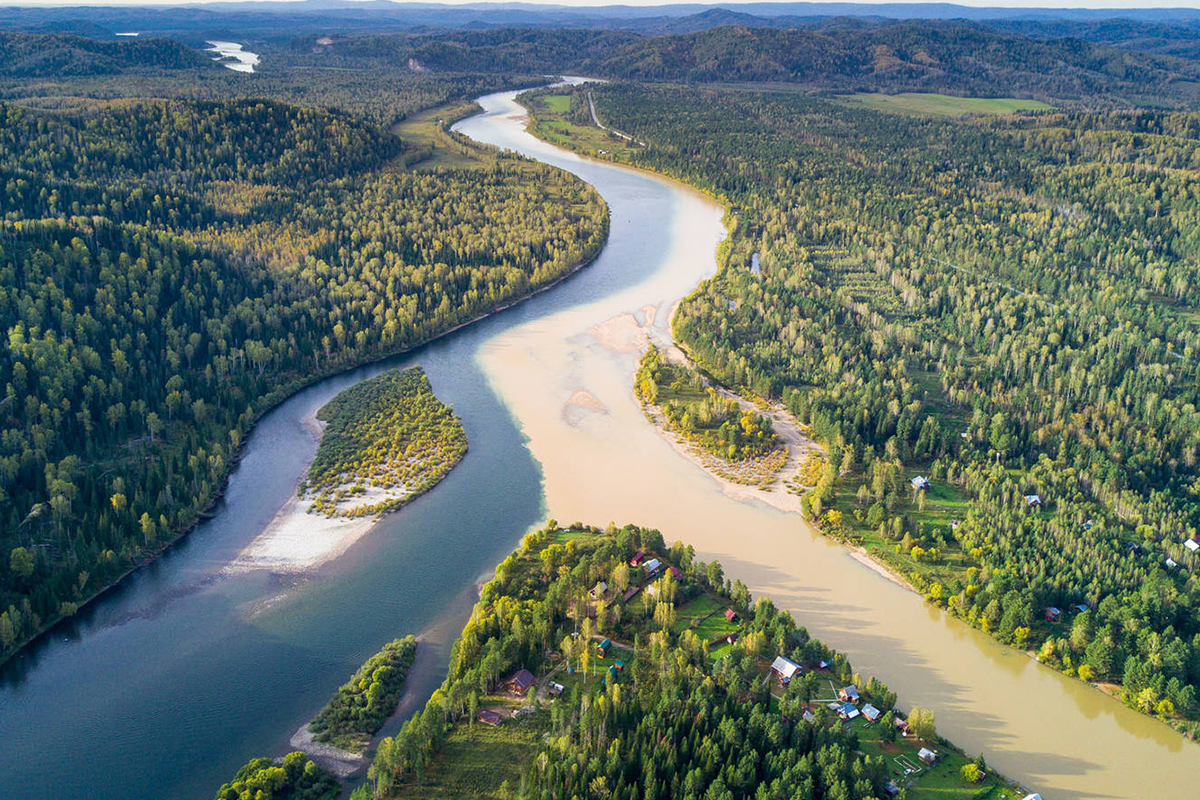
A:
x,y
1050,732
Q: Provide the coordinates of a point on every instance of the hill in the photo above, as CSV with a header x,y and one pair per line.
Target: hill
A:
x,y
58,55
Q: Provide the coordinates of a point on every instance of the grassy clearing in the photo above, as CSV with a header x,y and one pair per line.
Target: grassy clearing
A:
x,y
550,120
944,503
557,103
428,145
477,760
942,105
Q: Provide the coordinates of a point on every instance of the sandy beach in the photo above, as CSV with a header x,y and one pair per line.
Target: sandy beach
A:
x,y
296,541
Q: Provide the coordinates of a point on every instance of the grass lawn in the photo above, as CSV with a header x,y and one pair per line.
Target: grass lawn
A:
x,y
942,781
562,537
423,132
942,105
477,759
557,103
695,610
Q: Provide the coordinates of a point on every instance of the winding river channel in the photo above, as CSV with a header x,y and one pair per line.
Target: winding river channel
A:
x,y
165,686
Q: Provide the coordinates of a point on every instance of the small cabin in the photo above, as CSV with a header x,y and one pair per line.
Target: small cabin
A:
x,y
603,648
871,712
652,567
638,558
1053,614
730,615
520,681
598,590
1192,545
489,717
901,725
1033,501
920,483
783,670
848,711
928,756
848,694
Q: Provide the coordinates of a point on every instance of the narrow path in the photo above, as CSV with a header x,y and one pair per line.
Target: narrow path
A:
x,y
603,127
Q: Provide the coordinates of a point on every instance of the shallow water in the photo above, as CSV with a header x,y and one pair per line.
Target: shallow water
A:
x,y
181,675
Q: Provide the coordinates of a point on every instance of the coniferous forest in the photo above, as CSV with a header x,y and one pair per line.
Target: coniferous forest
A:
x,y
1002,304
173,268
963,254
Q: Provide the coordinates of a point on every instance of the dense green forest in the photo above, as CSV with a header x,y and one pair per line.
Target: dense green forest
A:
x,y
360,707
387,441
1006,305
374,88
170,269
643,685
295,777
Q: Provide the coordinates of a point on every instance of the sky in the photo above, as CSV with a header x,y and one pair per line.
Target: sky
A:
x,y
1103,4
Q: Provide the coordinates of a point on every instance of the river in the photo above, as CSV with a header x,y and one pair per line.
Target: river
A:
x,y
184,672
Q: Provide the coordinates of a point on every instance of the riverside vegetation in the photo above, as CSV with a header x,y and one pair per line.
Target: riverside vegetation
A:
x,y
680,703
362,705
902,284
742,443
294,777
387,441
171,269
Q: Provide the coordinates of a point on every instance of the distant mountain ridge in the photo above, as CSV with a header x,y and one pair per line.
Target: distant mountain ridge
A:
x,y
261,18
901,56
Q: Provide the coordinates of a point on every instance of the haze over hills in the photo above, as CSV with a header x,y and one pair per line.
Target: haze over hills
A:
x,y
338,15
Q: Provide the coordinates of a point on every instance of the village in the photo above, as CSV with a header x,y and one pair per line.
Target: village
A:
x,y
817,693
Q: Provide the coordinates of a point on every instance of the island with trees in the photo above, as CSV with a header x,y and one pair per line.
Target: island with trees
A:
x,y
387,440
360,707
293,777
607,664
731,439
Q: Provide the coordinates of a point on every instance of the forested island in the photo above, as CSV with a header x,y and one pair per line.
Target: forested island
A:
x,y
605,663
360,707
294,777
900,281
737,443
387,441
173,268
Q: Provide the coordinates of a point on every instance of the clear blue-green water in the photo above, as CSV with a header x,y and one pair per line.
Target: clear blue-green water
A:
x,y
166,685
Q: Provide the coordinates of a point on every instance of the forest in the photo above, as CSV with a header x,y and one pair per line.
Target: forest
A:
x,y
387,441
170,269
363,703
654,682
1003,305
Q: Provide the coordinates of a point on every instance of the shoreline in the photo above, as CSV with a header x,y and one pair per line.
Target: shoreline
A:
x,y
271,402
295,540
785,500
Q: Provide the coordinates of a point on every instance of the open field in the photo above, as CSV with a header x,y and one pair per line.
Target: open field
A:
x,y
943,105
480,761
549,116
428,145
